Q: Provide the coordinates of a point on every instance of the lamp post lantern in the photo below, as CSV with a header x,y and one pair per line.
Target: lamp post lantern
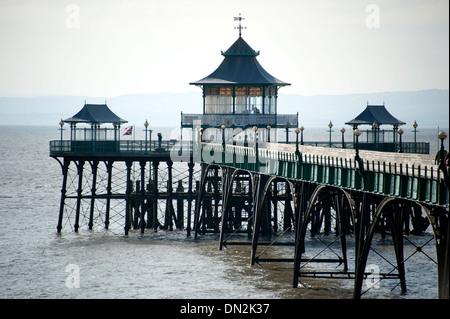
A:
x,y
223,135
61,124
400,133
287,133
375,134
415,125
146,128
301,134
297,130
357,134
222,127
442,156
343,142
330,125
255,129
198,134
442,136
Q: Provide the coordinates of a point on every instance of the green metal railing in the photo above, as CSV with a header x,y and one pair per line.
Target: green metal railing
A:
x,y
407,147
419,183
117,147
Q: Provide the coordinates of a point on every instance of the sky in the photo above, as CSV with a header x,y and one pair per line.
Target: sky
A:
x,y
111,47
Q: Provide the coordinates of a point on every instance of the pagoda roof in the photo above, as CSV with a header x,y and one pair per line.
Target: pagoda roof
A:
x,y
240,67
375,114
240,47
95,113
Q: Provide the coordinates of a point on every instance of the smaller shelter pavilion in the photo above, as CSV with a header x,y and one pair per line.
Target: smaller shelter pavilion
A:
x,y
94,115
375,116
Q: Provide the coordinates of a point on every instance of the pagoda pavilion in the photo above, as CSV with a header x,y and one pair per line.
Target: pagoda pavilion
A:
x,y
240,93
374,116
93,137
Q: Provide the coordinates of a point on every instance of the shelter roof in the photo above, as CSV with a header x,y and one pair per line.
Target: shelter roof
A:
x,y
240,66
240,47
375,114
95,113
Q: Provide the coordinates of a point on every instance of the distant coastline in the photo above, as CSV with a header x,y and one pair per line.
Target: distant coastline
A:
x,y
430,108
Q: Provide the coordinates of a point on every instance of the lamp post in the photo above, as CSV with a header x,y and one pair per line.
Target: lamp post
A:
x,y
297,130
268,133
150,138
301,134
415,125
115,125
357,134
343,131
375,133
255,129
287,133
442,154
146,127
400,133
223,134
223,143
330,125
61,124
442,136
197,130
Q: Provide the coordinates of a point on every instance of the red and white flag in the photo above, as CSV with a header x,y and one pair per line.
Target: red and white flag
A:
x,y
128,131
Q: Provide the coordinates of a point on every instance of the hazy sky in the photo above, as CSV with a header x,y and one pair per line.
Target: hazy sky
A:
x,y
111,47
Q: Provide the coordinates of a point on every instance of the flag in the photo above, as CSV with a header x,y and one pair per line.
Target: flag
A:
x,y
128,130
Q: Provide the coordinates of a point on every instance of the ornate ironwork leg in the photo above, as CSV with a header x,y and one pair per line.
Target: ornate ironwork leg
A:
x,y
128,199
109,167
94,167
143,208
65,168
79,194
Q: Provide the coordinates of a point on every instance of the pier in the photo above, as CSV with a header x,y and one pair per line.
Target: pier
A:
x,y
227,189
233,178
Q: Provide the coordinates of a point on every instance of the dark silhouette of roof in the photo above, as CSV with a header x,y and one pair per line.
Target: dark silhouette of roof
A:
x,y
95,113
375,114
240,47
240,66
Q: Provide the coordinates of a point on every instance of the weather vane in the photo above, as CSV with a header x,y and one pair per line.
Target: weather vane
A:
x,y
240,27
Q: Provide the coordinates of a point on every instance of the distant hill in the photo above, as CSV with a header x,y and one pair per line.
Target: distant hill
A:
x,y
430,108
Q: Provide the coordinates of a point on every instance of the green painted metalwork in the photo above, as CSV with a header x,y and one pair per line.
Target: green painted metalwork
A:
x,y
422,184
385,178
67,147
407,147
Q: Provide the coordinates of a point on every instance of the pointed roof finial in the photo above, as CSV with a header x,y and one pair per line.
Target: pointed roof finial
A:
x,y
240,27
